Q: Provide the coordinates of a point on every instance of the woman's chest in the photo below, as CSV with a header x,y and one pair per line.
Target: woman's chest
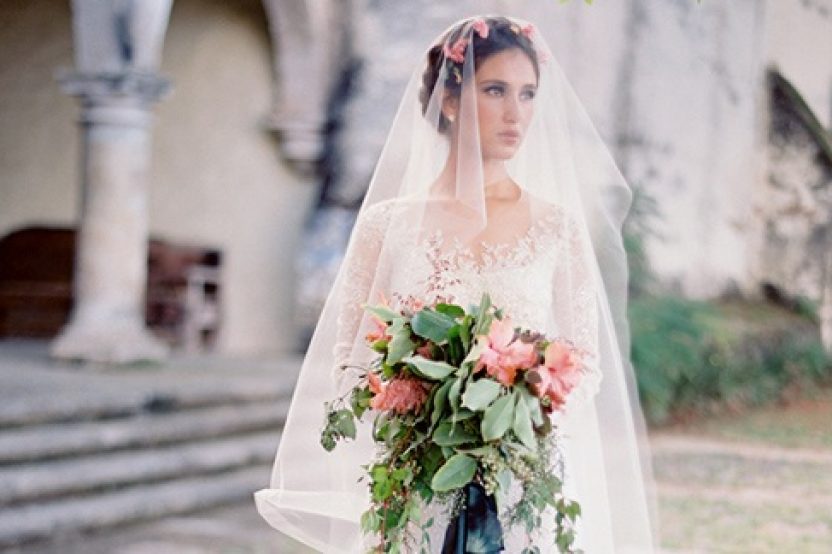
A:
x,y
517,276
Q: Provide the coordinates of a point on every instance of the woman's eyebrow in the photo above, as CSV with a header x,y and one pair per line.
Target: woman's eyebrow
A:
x,y
493,82
505,84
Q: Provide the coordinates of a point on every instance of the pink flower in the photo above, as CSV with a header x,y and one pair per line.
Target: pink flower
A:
x,y
502,355
559,374
401,394
457,51
425,351
481,27
528,30
378,332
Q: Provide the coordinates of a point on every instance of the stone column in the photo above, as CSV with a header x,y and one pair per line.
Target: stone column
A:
x,y
117,44
307,42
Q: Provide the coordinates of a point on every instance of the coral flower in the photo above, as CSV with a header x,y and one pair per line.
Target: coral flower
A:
x,y
502,355
559,374
425,351
401,394
528,30
457,51
378,332
481,27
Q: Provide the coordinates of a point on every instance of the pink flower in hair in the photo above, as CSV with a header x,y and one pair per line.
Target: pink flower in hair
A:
x,y
528,30
481,27
457,51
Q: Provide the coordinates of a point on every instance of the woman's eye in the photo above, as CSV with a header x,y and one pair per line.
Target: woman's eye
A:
x,y
494,90
528,94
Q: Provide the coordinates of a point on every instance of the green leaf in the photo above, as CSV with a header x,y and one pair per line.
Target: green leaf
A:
x,y
498,418
482,316
446,434
456,350
532,406
474,353
432,325
462,415
465,332
360,400
439,400
380,345
382,312
370,521
430,369
522,425
453,394
479,394
454,473
451,310
400,347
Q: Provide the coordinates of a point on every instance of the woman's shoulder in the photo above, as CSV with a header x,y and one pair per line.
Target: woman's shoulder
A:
x,y
380,211
383,210
554,216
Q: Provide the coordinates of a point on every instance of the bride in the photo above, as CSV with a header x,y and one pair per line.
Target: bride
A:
x,y
493,179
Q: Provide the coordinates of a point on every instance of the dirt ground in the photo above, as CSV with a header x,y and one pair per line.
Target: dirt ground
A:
x,y
759,482
751,483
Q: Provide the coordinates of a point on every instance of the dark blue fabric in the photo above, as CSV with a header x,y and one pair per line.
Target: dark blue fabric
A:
x,y
476,529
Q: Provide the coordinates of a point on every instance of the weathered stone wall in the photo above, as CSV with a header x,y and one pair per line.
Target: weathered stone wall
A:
x,y
796,218
691,132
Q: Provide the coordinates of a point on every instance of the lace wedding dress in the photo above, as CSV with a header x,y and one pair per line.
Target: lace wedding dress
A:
x,y
522,277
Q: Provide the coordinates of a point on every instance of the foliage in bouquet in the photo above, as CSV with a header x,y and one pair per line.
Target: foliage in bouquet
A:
x,y
458,396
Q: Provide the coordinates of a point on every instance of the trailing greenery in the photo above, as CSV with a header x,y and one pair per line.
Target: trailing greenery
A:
x,y
695,357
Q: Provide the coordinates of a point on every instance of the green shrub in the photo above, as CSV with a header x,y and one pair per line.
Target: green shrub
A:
x,y
696,357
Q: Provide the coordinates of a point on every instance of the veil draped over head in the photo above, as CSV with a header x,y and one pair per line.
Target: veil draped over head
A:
x,y
433,226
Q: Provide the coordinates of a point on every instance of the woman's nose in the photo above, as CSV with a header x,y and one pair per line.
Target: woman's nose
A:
x,y
511,109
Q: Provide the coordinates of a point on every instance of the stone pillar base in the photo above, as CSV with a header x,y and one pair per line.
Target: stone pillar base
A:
x,y
117,344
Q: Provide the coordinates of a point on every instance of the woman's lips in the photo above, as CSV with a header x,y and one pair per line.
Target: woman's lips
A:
x,y
510,136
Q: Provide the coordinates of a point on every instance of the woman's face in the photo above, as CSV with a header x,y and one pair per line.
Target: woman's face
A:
x,y
506,85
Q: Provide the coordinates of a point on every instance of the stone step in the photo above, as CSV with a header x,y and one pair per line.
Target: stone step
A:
x,y
42,480
120,400
44,442
50,519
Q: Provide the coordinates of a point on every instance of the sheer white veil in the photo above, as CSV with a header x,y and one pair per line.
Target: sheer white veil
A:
x,y
431,176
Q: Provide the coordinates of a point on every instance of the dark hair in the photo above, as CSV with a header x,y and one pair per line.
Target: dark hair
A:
x,y
503,35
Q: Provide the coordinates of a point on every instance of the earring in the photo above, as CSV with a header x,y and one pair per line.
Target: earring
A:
x,y
451,117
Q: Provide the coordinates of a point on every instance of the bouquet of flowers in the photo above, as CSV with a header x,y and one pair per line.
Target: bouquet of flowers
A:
x,y
460,402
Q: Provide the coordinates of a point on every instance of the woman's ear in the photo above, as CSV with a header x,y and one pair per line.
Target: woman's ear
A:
x,y
450,106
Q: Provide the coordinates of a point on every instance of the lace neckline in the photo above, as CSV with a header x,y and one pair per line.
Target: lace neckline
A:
x,y
515,254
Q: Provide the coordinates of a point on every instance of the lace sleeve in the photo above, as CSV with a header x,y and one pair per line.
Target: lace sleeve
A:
x,y
359,268
578,304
